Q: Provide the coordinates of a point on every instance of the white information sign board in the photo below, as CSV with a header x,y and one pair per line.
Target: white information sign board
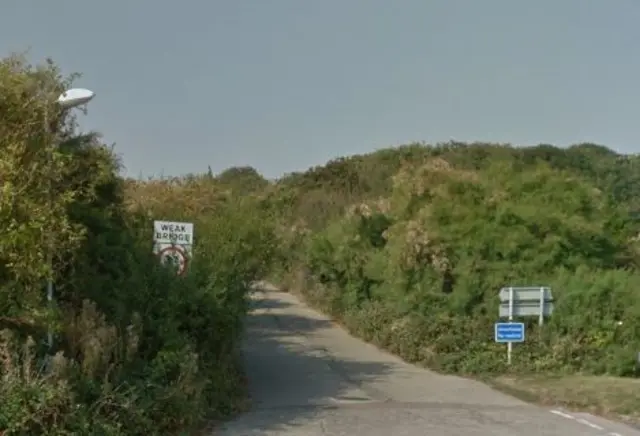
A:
x,y
168,232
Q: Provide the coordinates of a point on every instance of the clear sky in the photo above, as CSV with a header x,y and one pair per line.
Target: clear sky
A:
x,y
285,84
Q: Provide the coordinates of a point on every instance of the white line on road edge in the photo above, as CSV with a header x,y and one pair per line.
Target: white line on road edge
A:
x,y
564,415
582,421
590,424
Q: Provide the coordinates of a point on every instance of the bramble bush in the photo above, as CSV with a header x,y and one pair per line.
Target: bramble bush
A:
x,y
138,350
414,243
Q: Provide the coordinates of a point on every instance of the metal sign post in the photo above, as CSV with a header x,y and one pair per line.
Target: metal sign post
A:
x,y
510,344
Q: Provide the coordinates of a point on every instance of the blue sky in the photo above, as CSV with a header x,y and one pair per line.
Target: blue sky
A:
x,y
285,84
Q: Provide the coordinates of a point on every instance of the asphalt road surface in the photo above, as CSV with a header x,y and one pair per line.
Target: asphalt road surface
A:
x,y
308,377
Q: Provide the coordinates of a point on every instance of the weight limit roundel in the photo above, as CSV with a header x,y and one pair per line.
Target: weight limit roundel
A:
x,y
174,256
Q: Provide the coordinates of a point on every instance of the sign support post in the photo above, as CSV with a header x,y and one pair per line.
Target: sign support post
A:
x,y
542,299
510,344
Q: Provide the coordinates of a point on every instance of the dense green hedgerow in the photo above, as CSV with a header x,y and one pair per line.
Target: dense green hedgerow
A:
x,y
138,351
410,246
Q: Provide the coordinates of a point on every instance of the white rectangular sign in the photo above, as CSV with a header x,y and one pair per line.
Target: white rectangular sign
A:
x,y
526,301
168,232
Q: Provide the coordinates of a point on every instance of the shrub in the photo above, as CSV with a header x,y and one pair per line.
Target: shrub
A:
x,y
138,350
415,264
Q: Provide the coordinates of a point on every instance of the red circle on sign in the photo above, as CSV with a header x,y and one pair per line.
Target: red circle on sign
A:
x,y
176,251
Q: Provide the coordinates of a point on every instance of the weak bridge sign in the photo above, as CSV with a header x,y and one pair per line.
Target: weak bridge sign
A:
x,y
167,232
173,243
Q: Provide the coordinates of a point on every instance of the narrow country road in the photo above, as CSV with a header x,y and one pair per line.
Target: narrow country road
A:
x,y
308,377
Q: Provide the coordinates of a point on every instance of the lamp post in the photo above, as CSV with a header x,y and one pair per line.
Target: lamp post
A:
x,y
69,99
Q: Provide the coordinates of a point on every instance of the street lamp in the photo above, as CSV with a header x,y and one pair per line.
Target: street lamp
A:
x,y
69,99
75,97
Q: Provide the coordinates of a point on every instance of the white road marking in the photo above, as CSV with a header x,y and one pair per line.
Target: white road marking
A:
x,y
582,421
590,424
564,415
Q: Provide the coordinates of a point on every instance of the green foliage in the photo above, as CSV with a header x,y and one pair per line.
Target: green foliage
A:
x,y
413,244
138,349
408,247
242,180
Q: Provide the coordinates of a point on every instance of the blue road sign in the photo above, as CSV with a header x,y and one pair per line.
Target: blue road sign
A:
x,y
509,332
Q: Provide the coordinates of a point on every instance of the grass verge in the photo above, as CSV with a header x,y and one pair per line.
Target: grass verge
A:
x,y
611,397
240,402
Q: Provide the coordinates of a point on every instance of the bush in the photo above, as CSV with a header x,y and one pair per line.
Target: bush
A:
x,y
414,261
138,350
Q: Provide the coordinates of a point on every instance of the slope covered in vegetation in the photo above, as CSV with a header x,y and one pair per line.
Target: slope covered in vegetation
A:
x,y
138,351
409,247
